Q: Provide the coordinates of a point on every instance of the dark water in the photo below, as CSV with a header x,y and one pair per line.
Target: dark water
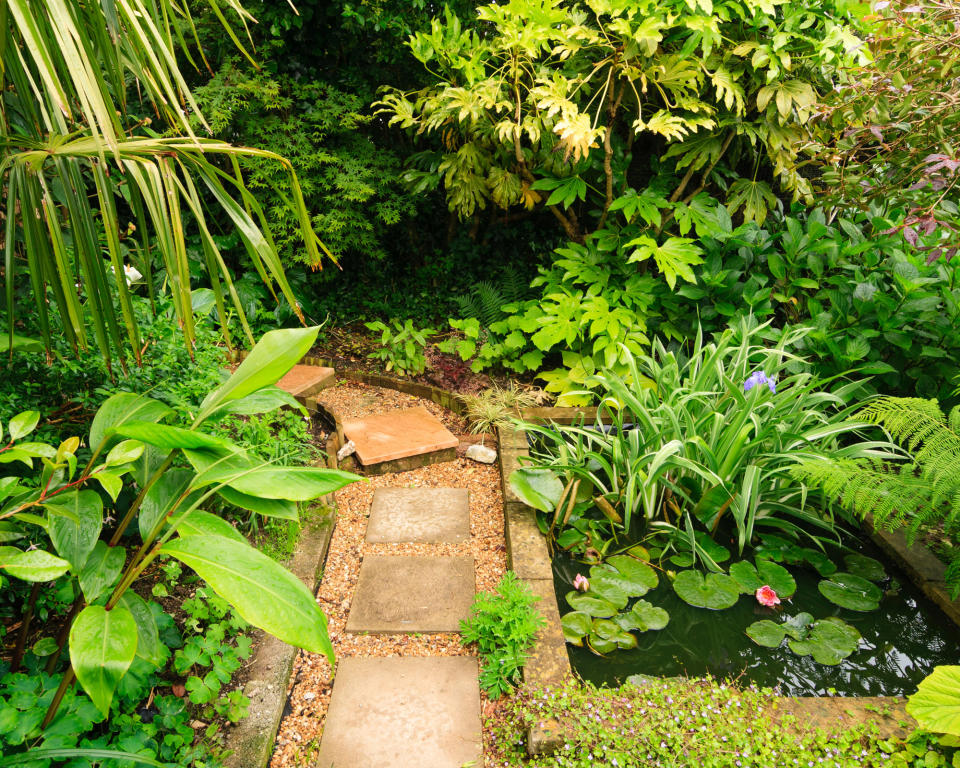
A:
x,y
902,641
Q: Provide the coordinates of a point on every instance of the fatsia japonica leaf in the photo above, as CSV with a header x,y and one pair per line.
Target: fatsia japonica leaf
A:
x,y
261,591
103,644
675,257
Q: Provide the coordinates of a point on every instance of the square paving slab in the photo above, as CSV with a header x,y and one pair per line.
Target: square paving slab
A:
x,y
419,515
403,713
412,594
305,380
397,435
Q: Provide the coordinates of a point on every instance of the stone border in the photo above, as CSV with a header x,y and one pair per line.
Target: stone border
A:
x,y
549,663
251,741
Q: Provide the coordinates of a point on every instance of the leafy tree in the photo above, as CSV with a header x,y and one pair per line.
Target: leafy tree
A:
x,y
102,170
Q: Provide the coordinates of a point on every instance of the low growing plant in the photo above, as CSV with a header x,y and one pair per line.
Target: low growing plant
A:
x,y
503,624
402,346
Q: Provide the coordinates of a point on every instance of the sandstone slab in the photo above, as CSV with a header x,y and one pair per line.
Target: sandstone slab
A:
x,y
403,713
412,594
398,435
419,515
302,381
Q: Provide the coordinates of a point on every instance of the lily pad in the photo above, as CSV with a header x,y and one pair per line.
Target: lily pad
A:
x,y
766,573
823,564
715,592
767,633
639,552
798,627
683,561
865,567
608,587
649,616
600,645
576,626
849,591
830,641
637,577
591,605
606,632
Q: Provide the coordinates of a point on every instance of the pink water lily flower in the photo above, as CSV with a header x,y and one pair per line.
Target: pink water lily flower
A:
x,y
580,582
766,596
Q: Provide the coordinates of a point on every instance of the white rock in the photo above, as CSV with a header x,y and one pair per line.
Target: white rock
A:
x,y
482,454
348,450
309,696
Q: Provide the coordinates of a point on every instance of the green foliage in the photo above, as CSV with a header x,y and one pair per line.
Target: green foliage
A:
x,y
918,489
936,704
503,624
496,407
401,347
680,723
132,449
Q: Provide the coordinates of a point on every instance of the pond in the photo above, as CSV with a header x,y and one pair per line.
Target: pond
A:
x,y
900,642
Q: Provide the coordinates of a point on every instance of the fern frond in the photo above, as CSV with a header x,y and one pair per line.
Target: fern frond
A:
x,y
889,492
490,301
952,576
954,420
513,285
467,306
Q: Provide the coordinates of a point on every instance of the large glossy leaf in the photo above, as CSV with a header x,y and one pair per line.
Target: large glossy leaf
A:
x,y
271,481
272,357
750,578
163,495
32,565
591,605
282,508
604,629
852,592
648,616
168,438
262,592
103,644
936,704
606,585
200,523
537,488
262,401
124,407
149,646
101,571
75,536
716,592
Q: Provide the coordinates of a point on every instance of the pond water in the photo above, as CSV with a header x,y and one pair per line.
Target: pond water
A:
x,y
902,641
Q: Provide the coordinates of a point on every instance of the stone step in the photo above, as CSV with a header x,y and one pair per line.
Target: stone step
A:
x,y
400,440
412,594
419,516
403,713
302,381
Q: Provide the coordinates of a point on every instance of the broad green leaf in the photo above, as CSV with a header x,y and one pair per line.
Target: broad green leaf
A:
x,y
105,755
798,627
606,586
23,424
200,523
282,508
852,592
767,633
648,616
169,438
637,577
830,641
102,647
101,571
591,605
755,197
272,357
263,400
122,408
936,704
262,592
75,536
604,629
576,625
537,488
716,592
149,646
258,478
766,573
111,482
124,452
32,565
163,495
864,567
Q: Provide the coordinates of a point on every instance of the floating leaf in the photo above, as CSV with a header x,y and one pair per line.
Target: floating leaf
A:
x,y
936,704
604,629
600,646
607,585
716,592
635,577
576,626
823,564
766,573
648,616
865,567
798,627
849,591
830,641
767,633
591,605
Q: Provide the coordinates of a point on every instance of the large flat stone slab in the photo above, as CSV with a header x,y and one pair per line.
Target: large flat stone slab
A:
x,y
302,381
419,515
412,594
398,435
403,713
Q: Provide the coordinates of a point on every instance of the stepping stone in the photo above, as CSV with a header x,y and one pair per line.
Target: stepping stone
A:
x,y
412,594
419,515
403,713
305,380
400,435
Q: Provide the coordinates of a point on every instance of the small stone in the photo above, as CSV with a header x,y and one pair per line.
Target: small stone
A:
x,y
482,454
348,450
309,696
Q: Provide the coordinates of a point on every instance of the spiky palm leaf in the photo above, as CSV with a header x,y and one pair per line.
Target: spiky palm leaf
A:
x,y
74,163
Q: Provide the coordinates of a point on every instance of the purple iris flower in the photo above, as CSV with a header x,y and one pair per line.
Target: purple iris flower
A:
x,y
756,379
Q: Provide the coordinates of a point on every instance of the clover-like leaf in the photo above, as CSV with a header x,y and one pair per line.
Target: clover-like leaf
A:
x,y
715,592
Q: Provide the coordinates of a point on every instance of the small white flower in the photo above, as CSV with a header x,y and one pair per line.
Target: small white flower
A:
x,y
131,273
